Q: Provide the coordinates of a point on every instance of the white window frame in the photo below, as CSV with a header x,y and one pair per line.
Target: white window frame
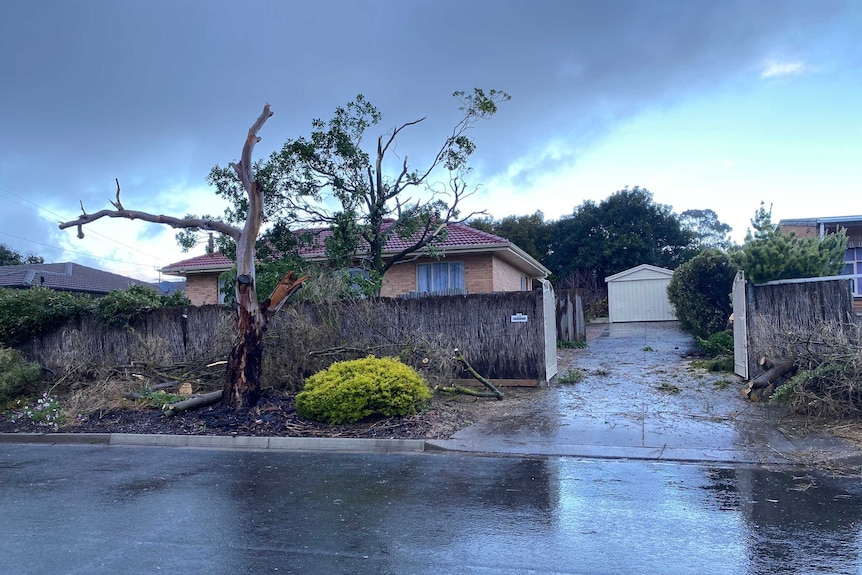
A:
x,y
855,263
450,276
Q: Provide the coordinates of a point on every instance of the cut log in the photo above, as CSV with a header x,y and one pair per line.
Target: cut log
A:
x,y
192,403
762,385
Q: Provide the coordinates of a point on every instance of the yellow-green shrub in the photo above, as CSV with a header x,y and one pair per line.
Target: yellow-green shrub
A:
x,y
348,391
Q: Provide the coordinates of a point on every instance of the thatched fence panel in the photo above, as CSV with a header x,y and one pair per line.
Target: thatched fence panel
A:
x,y
792,307
481,326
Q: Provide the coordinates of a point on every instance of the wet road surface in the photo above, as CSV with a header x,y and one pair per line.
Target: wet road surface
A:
x,y
109,510
640,398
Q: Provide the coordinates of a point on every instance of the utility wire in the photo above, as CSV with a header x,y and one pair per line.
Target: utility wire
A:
x,y
86,254
40,208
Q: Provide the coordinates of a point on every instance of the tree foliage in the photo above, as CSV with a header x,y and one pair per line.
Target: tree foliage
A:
x,y
9,257
331,179
708,229
531,233
700,293
769,254
622,231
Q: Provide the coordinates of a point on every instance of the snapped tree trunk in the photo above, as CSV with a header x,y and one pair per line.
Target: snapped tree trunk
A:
x,y
245,362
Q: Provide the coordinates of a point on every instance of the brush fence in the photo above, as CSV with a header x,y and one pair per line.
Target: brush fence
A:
x,y
503,335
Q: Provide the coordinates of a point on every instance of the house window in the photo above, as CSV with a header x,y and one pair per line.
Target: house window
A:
x,y
221,294
523,283
440,276
853,266
357,278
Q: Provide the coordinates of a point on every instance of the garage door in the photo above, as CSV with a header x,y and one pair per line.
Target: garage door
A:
x,y
640,294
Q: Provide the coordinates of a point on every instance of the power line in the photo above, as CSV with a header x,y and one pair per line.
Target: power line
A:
x,y
62,218
86,254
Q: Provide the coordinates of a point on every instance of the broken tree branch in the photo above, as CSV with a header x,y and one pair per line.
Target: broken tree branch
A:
x,y
467,391
463,360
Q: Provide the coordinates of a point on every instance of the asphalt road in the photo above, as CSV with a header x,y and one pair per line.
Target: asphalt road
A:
x,y
98,509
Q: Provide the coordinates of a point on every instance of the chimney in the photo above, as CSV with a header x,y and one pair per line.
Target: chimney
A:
x,y
211,245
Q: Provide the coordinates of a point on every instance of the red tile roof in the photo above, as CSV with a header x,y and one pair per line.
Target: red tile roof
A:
x,y
457,235
214,261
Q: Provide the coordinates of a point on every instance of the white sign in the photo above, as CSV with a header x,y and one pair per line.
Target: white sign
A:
x,y
519,318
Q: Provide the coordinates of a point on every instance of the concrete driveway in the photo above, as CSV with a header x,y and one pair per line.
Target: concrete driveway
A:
x,y
641,398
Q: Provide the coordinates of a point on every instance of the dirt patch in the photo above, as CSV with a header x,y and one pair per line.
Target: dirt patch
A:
x,y
275,416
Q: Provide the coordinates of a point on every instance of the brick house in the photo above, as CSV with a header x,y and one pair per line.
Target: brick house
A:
x,y
809,227
473,262
203,286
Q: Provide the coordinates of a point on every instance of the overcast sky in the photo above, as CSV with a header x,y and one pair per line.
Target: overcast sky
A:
x,y
708,104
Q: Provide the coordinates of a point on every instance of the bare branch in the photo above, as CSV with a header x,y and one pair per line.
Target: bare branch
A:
x,y
117,204
395,133
211,225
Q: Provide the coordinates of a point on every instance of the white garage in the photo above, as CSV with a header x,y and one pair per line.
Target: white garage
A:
x,y
640,294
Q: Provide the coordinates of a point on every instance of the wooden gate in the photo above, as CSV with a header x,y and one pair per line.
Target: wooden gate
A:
x,y
740,327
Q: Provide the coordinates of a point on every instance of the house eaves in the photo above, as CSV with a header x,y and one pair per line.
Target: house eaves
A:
x,y
183,271
508,252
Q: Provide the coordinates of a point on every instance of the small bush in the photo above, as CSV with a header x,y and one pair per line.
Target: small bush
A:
x,y
352,390
700,293
717,344
720,363
15,375
571,376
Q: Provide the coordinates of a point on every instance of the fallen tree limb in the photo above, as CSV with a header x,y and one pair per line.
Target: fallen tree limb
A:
x,y
467,391
171,409
494,391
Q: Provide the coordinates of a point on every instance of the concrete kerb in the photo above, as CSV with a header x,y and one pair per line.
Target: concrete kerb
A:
x,y
313,444
360,445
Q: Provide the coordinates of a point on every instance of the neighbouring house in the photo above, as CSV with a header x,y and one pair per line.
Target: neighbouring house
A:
x,y
640,294
808,227
473,262
203,285
73,277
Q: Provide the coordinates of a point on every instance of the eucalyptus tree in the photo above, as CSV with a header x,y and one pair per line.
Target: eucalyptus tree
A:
x,y
242,382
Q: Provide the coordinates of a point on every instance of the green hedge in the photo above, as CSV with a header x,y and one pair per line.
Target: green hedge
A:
x,y
25,313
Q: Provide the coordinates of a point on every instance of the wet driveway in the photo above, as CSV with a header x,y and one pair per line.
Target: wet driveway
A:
x,y
640,398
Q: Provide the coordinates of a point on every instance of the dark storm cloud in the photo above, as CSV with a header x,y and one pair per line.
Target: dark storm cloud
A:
x,y
157,92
